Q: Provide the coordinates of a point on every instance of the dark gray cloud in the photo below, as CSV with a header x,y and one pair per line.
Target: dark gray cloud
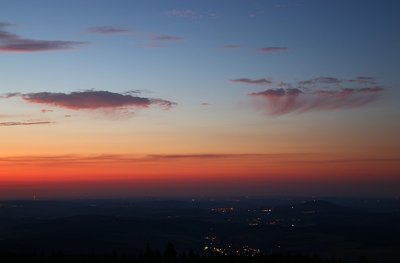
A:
x,y
364,80
261,81
10,42
321,80
93,100
166,38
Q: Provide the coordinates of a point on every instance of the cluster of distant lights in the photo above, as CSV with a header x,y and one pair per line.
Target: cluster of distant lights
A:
x,y
223,209
213,248
256,221
243,251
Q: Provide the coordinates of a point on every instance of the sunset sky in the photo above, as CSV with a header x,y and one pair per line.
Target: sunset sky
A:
x,y
197,98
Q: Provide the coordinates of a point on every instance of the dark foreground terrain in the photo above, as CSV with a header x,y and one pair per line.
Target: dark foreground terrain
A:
x,y
204,230
168,258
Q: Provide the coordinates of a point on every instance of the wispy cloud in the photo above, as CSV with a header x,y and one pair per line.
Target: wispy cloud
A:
x,y
232,46
360,80
120,158
272,49
93,100
191,14
198,156
188,13
257,13
10,42
166,38
262,81
321,80
107,30
159,41
116,159
364,80
321,93
45,110
18,123
9,95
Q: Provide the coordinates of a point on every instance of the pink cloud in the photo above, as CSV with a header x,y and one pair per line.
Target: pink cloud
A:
x,y
282,101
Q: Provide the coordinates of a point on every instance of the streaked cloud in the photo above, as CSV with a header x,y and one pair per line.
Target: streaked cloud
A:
x,y
272,49
45,110
121,158
160,41
361,80
262,81
93,100
9,95
321,80
283,158
27,123
257,13
190,14
10,42
166,38
320,93
364,80
107,30
232,46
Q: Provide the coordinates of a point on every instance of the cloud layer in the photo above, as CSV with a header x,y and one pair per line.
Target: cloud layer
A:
x,y
92,100
321,93
10,42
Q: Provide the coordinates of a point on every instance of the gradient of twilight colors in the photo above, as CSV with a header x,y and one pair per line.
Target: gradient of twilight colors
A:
x,y
199,98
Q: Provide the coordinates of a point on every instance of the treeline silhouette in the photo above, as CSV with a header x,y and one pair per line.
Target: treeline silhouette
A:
x,y
170,255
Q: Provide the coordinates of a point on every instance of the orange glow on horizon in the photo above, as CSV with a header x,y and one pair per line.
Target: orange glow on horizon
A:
x,y
284,167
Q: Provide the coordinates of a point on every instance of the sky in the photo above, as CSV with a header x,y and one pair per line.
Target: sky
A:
x,y
199,98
